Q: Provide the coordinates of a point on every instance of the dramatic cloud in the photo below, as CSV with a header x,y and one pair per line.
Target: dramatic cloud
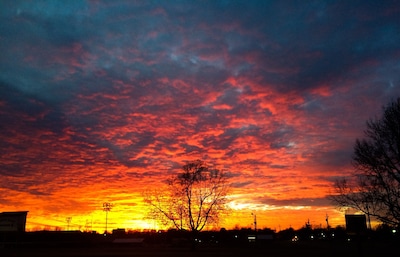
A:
x,y
101,100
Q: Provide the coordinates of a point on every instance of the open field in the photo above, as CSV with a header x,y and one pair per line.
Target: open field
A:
x,y
272,249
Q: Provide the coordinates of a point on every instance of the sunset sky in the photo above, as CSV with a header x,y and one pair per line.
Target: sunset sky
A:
x,y
102,100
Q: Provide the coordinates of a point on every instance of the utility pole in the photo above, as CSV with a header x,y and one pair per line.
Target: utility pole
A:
x,y
106,207
327,221
255,221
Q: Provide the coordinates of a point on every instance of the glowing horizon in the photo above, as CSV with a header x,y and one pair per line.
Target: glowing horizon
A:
x,y
102,100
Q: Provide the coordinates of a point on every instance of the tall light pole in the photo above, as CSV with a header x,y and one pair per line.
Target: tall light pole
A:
x,y
106,207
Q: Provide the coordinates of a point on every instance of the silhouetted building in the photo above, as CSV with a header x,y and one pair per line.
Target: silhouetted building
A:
x,y
356,224
13,221
118,231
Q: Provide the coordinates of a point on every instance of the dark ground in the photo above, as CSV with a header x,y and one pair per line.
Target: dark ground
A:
x,y
270,249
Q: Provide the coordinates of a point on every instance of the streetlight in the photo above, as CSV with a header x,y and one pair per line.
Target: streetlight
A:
x,y
106,207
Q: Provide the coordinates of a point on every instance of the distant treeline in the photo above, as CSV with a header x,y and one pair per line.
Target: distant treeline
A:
x,y
178,238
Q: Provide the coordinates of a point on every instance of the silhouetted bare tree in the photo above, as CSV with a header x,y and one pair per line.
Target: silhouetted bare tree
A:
x,y
374,187
192,199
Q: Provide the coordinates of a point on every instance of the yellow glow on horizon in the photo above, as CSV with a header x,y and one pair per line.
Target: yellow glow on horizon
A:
x,y
272,217
131,214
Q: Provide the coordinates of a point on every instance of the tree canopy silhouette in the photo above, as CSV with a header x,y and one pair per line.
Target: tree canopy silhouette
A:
x,y
374,186
192,198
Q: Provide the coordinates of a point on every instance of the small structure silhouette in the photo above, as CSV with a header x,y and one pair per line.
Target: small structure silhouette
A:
x,y
13,221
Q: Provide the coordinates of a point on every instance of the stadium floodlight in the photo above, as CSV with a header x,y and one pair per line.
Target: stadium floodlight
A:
x,y
106,207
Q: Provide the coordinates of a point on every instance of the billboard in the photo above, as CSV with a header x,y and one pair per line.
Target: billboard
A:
x,y
13,221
